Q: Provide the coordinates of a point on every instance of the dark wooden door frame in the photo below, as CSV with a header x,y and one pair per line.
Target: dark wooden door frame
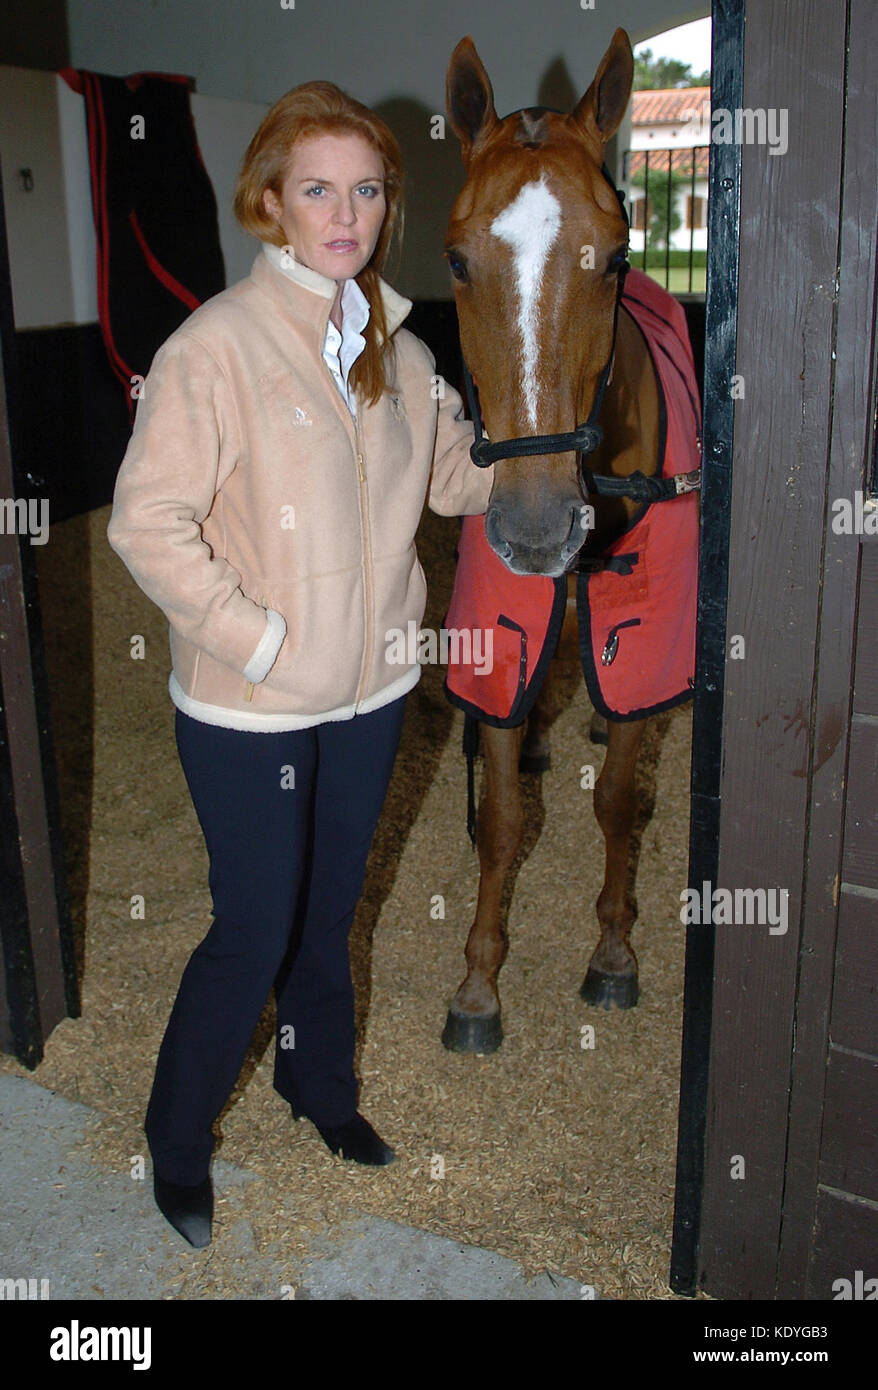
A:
x,y
38,981
721,322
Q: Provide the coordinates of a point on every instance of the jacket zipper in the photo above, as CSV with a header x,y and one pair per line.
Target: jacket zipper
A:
x,y
367,555
353,420
367,561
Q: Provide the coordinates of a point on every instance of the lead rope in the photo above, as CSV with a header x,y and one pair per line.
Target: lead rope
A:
x,y
637,486
584,439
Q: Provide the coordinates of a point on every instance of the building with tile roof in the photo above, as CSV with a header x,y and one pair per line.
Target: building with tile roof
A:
x,y
670,130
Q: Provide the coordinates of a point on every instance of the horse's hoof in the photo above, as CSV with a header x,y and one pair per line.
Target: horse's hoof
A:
x,y
472,1032
605,990
534,762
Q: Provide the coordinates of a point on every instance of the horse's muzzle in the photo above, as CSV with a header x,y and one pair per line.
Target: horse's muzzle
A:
x,y
546,542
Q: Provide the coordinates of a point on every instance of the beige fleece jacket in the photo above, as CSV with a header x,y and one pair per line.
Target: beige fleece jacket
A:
x,y
275,531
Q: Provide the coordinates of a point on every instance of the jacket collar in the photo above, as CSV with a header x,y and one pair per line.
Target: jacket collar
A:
x,y
310,294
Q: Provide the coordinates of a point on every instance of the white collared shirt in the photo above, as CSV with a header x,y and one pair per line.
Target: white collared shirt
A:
x,y
340,349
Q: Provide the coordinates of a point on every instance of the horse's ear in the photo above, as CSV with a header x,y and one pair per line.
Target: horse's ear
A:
x,y
601,109
469,97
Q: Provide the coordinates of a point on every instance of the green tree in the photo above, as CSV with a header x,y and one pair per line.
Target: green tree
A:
x,y
660,225
655,74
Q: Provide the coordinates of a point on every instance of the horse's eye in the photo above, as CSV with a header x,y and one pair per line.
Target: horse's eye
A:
x,y
457,266
615,263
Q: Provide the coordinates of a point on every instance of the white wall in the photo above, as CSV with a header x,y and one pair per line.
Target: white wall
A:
x,y
36,221
255,50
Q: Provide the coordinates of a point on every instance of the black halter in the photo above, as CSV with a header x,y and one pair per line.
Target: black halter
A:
x,y
586,437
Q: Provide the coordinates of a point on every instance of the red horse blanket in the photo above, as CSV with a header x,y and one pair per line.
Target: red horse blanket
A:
x,y
636,614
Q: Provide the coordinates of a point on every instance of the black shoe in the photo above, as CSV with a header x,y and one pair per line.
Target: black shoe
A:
x,y
356,1140
189,1209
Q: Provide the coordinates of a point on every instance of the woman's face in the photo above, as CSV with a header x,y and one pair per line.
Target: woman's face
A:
x,y
332,203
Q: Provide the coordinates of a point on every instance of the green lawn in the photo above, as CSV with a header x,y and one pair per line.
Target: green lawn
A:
x,y
679,277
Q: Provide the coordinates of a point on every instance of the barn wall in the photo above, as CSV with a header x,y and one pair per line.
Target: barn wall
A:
x,y
34,35
254,53
391,56
836,1215
243,58
788,1179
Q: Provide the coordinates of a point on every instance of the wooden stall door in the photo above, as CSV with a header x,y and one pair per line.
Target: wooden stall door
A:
x,y
840,1214
790,1201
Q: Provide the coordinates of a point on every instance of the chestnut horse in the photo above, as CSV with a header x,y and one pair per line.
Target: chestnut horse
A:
x,y
538,332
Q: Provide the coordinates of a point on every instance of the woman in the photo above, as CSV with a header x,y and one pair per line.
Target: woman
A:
x,y
286,438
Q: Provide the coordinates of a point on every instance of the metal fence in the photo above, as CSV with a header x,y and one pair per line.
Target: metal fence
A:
x,y
667,172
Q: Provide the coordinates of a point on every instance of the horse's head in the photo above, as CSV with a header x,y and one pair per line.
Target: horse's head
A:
x,y
535,242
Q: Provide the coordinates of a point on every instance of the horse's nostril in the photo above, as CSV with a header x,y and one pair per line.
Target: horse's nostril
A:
x,y
494,532
575,537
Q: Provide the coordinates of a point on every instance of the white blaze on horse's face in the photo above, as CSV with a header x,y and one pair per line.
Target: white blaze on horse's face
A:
x,y
530,225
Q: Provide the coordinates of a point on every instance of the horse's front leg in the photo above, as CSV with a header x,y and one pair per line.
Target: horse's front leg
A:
x,y
611,979
473,1023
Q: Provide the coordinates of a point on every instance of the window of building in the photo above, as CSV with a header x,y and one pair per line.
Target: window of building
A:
x,y
695,212
638,214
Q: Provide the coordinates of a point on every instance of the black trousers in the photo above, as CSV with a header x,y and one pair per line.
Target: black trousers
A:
x,y
288,820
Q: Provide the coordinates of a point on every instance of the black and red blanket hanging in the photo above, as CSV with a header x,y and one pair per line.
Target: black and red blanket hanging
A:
x,y
155,214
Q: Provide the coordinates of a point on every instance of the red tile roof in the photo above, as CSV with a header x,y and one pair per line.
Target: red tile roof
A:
x,y
669,106
681,161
